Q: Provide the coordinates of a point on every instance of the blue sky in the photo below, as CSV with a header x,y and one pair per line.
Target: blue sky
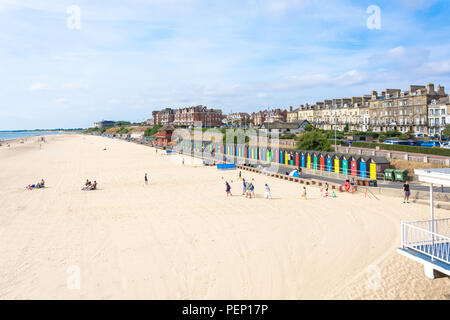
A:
x,y
131,57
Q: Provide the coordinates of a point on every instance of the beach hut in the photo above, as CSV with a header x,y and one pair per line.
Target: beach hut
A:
x,y
302,159
297,159
363,167
322,157
377,165
288,158
354,165
345,163
337,160
308,159
316,156
329,161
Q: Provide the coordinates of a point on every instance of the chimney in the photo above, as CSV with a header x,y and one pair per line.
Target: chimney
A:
x,y
290,108
383,93
441,90
430,88
374,94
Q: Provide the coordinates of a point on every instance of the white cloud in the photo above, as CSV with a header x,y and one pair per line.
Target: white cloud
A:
x,y
436,68
38,86
61,101
350,78
74,85
261,95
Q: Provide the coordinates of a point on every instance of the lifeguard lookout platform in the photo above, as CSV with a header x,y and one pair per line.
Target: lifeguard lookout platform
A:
x,y
428,241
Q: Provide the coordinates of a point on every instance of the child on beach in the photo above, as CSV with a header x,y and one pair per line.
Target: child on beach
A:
x,y
326,189
267,194
228,188
145,179
304,193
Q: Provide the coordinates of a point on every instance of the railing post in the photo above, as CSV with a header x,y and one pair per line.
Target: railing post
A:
x,y
402,235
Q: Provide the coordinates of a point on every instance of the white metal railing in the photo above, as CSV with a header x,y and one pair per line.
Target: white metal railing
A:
x,y
431,238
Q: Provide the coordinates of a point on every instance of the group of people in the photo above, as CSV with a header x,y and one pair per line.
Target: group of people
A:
x,y
248,189
38,185
89,186
324,191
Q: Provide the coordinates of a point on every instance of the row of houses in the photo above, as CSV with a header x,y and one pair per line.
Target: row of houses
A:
x,y
421,109
209,118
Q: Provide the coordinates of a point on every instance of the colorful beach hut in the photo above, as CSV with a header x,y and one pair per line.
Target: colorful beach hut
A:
x,y
303,159
363,167
346,159
377,165
337,161
329,161
316,156
308,159
322,161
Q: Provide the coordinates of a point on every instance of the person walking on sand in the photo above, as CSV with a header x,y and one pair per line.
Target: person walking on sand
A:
x,y
267,194
326,189
251,189
407,192
182,161
240,175
228,188
244,186
145,179
304,193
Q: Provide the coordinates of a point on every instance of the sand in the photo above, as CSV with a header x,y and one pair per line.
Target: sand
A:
x,y
180,237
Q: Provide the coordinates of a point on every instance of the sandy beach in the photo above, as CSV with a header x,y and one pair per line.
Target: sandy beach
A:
x,y
180,237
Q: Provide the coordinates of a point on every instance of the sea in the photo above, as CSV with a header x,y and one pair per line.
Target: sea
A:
x,y
9,135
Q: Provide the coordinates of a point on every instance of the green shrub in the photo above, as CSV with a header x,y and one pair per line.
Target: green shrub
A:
x,y
313,140
151,131
399,147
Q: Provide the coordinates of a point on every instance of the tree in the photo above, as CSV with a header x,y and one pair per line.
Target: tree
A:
x,y
346,128
121,123
309,127
446,131
313,140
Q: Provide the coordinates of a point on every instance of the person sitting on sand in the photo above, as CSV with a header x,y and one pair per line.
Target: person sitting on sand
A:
x,y
87,185
41,184
94,186
304,193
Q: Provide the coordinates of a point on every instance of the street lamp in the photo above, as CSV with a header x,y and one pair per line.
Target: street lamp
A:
x,y
335,122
